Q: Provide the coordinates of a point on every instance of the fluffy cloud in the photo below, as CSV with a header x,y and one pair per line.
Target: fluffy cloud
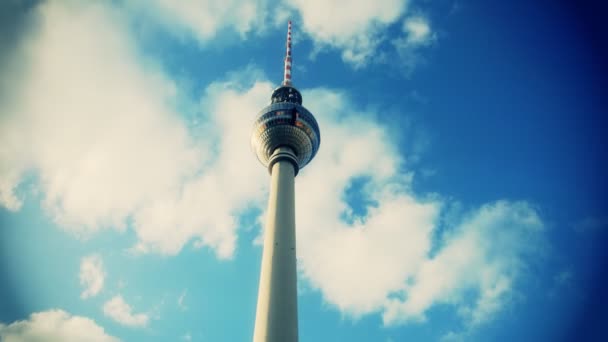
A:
x,y
54,325
92,122
383,257
417,34
355,27
418,30
485,255
95,122
92,275
202,20
117,309
380,249
381,261
211,202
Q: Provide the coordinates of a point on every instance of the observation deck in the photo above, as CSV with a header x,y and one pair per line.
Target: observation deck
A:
x,y
286,123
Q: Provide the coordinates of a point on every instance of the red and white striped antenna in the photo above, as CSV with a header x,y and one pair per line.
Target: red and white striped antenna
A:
x,y
287,74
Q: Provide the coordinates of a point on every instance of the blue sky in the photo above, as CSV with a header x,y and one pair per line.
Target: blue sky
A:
x,y
459,193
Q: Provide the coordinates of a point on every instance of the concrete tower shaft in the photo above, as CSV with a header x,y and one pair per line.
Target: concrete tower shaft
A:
x,y
285,138
276,318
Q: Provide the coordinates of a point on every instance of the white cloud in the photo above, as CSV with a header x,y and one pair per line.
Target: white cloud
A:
x,y
381,263
485,254
108,148
92,275
418,30
203,20
356,27
94,121
54,325
211,202
417,34
378,252
117,309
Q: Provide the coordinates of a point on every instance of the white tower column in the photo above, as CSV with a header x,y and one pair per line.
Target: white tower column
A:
x,y
277,309
285,138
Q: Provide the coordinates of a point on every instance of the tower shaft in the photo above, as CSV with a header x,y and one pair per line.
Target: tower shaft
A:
x,y
285,138
277,308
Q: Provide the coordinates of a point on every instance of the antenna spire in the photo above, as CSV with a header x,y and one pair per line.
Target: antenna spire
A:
x,y
287,74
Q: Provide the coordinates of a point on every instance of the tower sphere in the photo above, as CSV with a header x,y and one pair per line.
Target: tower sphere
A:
x,y
285,123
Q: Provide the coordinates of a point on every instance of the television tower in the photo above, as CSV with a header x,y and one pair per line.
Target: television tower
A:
x,y
285,138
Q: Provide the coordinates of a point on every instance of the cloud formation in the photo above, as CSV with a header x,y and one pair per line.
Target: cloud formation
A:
x,y
92,275
484,255
107,146
54,325
203,20
110,151
209,205
355,27
121,312
386,260
92,122
417,30
417,34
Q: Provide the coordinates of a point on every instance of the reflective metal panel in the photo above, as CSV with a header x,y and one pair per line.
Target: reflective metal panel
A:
x,y
286,124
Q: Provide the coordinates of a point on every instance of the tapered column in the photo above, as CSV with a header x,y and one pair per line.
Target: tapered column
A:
x,y
277,309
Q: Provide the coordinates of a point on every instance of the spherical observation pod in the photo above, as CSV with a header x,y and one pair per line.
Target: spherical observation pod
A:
x,y
286,124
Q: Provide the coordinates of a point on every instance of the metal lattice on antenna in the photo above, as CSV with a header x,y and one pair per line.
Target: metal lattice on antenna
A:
x,y
286,123
287,74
